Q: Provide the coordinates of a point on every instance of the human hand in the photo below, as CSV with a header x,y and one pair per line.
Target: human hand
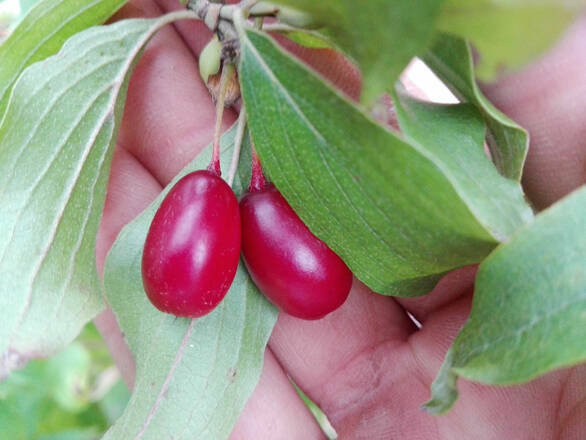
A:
x,y
367,365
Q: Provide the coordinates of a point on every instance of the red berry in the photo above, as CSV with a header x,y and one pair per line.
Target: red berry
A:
x,y
297,271
192,248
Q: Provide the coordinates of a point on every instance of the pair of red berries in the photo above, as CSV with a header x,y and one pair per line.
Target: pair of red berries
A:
x,y
193,246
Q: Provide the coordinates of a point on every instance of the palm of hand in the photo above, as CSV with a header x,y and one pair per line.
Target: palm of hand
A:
x,y
367,365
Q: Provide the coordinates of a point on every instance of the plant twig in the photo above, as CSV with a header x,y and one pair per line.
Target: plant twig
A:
x,y
216,16
220,17
262,9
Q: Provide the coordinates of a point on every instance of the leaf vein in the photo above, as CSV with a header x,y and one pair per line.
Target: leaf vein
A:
x,y
167,381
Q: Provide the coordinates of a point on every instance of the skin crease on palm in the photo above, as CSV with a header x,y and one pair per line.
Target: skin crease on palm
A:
x,y
367,365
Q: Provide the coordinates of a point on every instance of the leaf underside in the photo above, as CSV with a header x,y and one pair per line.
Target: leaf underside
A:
x,y
53,184
193,376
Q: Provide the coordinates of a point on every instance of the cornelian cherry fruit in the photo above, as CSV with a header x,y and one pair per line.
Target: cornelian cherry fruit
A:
x,y
294,269
192,248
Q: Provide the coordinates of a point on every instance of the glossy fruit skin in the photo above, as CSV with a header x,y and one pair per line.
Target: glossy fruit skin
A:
x,y
294,269
192,249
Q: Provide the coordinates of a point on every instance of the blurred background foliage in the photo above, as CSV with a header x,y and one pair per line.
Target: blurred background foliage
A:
x,y
75,395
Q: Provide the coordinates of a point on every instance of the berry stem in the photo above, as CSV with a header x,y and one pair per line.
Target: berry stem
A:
x,y
237,145
257,178
227,72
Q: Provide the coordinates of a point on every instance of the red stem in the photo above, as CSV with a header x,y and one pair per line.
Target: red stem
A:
x,y
257,178
214,166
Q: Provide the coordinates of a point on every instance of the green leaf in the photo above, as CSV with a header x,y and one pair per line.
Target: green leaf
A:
x,y
388,207
507,34
50,396
381,35
56,142
69,373
72,434
43,31
450,58
454,136
529,310
193,376
311,39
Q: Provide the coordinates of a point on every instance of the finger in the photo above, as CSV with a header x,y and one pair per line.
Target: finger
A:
x,y
547,98
275,411
380,395
133,183
430,345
